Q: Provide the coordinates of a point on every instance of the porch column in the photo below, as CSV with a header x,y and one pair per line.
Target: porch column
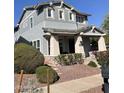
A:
x,y
54,46
101,44
79,48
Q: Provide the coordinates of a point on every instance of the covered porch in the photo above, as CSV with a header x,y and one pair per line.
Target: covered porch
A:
x,y
65,42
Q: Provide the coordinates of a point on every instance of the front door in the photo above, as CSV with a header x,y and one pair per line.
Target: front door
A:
x,y
71,46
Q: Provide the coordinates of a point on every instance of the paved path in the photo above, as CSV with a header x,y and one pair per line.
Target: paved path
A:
x,y
76,86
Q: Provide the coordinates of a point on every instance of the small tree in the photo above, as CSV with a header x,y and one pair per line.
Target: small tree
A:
x,y
105,24
105,27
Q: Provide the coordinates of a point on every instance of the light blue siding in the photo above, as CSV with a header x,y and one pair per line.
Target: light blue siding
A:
x,y
40,21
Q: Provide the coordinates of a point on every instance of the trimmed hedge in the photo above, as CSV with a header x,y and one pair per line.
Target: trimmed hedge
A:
x,y
69,59
27,58
41,73
92,64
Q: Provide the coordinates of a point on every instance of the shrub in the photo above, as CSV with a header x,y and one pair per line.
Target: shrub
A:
x,y
27,58
92,64
41,73
78,58
69,59
102,57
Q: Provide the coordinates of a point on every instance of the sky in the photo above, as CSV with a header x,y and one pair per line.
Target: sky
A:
x,y
97,8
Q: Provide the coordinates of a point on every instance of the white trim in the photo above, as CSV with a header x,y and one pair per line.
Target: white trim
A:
x,y
24,8
30,22
61,4
72,16
92,28
79,17
63,15
92,34
35,40
52,13
27,17
72,8
51,3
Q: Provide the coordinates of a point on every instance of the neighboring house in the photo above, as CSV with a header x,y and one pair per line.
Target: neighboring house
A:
x,y
55,28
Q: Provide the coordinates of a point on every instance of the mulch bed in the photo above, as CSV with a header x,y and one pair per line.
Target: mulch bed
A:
x,y
66,73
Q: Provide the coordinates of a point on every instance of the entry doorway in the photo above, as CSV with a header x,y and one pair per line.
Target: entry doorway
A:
x,y
66,45
71,46
94,43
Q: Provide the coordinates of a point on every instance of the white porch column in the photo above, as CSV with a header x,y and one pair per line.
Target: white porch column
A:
x,y
101,44
54,46
79,48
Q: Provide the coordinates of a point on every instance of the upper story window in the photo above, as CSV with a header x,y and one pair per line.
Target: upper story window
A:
x,y
31,22
50,13
80,19
71,16
61,14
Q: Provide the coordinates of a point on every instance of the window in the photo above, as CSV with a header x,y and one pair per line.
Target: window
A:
x,y
80,19
71,16
61,14
36,44
50,13
31,22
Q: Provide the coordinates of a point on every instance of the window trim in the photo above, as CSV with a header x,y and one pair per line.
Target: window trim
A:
x,y
62,14
52,13
78,19
30,22
35,44
72,16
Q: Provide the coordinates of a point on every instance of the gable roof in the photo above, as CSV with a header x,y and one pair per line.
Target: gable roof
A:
x,y
92,30
36,7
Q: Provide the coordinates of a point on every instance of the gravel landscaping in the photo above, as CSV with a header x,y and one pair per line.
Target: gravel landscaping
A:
x,y
66,73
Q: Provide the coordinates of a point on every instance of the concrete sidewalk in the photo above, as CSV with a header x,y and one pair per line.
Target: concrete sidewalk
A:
x,y
76,86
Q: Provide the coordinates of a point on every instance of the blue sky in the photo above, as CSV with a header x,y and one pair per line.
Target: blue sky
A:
x,y
97,8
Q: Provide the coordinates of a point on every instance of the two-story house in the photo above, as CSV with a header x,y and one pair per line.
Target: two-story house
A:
x,y
55,28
